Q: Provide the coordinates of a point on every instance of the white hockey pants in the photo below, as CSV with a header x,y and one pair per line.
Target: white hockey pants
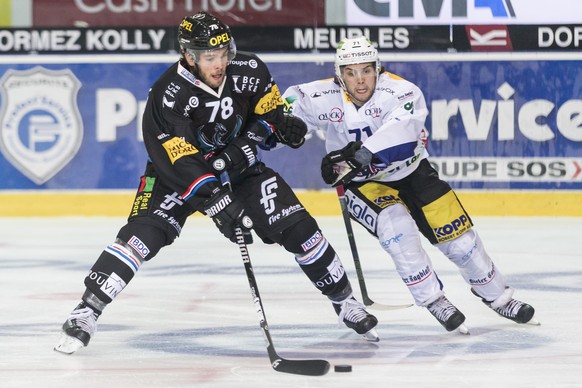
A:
x,y
400,237
475,265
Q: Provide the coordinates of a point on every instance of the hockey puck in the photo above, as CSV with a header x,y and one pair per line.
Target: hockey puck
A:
x,y
342,368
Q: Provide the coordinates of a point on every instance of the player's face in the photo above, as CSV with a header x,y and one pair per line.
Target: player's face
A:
x,y
360,81
212,66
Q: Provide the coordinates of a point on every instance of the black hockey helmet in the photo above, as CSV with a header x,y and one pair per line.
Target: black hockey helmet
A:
x,y
203,32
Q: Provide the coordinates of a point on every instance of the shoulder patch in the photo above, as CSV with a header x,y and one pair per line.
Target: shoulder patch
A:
x,y
269,101
405,96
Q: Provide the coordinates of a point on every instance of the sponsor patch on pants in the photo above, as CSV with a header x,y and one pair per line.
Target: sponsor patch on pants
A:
x,y
113,285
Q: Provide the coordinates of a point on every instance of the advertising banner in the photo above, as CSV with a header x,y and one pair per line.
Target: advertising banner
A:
x,y
87,40
256,39
495,37
305,39
493,123
314,13
422,12
163,13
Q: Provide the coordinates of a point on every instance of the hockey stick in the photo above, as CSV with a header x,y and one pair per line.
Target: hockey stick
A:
x,y
298,367
350,232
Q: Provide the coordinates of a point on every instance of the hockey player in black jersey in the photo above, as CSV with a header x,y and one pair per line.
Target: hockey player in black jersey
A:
x,y
206,115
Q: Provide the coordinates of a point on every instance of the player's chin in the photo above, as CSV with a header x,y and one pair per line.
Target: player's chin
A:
x,y
363,97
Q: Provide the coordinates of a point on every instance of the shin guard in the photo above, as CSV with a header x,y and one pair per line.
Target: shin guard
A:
x,y
399,236
475,265
317,259
112,271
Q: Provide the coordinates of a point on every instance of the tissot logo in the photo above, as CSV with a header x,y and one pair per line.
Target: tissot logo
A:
x,y
489,37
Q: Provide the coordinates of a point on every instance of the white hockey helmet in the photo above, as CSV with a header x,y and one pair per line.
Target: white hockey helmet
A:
x,y
353,51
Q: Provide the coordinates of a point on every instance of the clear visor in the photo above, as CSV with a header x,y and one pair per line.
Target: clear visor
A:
x,y
349,71
227,52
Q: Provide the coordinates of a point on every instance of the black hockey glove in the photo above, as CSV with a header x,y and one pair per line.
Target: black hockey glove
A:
x,y
292,132
228,212
237,156
341,166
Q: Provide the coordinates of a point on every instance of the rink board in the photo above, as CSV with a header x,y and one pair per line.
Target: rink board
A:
x,y
505,129
319,203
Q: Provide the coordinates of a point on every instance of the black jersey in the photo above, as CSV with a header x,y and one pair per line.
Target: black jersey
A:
x,y
185,120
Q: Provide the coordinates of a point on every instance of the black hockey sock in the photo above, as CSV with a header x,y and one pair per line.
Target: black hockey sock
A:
x,y
96,304
327,273
112,271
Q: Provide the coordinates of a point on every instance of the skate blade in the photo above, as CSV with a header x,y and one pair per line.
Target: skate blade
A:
x,y
463,329
371,336
68,344
533,322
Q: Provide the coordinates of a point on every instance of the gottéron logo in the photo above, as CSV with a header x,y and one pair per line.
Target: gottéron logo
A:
x,y
40,123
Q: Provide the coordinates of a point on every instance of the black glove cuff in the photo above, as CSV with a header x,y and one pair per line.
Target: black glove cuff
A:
x,y
258,131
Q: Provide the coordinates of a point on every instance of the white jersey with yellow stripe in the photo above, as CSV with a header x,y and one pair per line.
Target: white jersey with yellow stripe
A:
x,y
390,124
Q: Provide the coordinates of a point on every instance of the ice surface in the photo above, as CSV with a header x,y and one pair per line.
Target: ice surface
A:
x,y
187,319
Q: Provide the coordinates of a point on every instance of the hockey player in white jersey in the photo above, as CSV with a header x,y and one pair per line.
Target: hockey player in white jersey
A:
x,y
376,142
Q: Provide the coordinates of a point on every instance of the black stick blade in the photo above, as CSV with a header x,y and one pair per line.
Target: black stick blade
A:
x,y
302,367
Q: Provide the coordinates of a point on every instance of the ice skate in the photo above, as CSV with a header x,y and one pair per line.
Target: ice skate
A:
x,y
78,329
447,315
510,308
353,314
